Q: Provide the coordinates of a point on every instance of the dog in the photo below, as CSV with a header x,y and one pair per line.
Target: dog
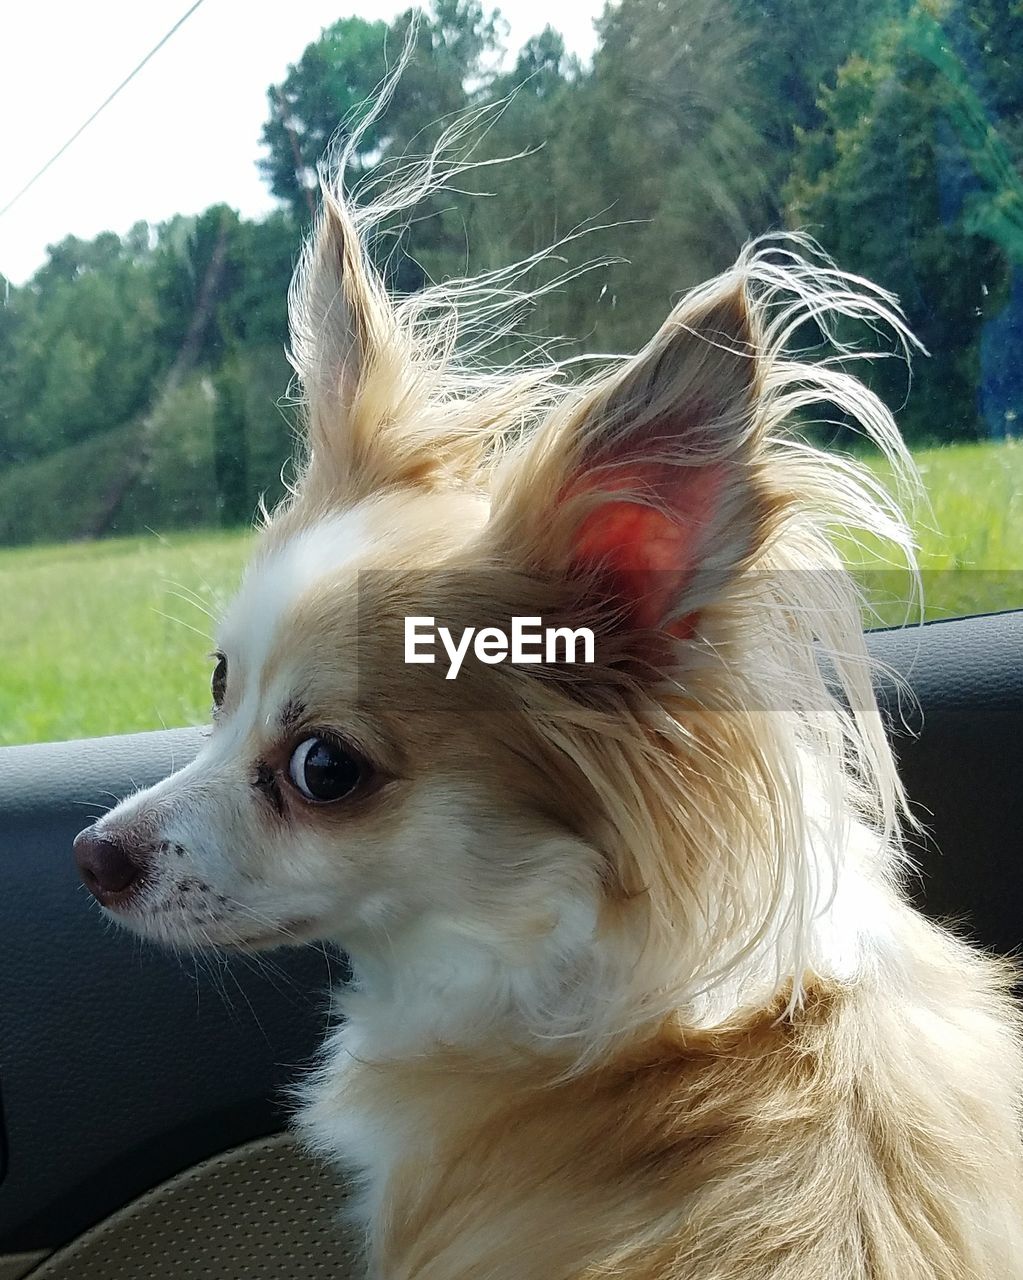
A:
x,y
636,990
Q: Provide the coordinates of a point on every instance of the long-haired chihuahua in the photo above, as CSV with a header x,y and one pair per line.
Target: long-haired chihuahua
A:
x,y
636,989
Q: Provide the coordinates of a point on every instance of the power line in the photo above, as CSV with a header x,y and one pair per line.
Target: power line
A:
x,y
102,107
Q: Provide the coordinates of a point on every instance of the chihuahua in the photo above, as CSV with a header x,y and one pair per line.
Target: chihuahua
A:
x,y
636,990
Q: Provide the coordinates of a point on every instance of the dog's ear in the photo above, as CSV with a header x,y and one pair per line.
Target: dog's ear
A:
x,y
649,490
355,365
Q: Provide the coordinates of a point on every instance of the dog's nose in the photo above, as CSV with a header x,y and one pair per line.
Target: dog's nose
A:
x,y
105,866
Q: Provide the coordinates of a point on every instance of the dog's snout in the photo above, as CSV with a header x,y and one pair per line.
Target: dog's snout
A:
x,y
106,866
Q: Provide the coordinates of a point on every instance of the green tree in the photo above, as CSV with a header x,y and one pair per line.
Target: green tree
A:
x,y
81,346
331,83
997,28
883,181
794,49
661,138
231,447
196,271
328,91
263,254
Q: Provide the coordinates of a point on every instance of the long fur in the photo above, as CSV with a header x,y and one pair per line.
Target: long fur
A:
x,y
711,1104
414,413
637,992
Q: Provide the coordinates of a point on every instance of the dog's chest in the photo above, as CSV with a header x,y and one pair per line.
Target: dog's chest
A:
x,y
372,1118
346,1119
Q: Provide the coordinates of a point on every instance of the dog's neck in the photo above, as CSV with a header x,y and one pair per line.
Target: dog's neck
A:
x,y
437,1015
440,985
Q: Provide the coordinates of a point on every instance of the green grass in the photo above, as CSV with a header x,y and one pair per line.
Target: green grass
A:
x,y
104,637
96,638
976,499
969,532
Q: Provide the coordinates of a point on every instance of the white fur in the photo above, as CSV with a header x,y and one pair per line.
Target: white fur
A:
x,y
581,874
276,580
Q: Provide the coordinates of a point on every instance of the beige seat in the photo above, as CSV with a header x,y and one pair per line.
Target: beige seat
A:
x,y
264,1211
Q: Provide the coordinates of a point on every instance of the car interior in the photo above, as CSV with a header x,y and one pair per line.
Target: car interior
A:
x,y
147,407
145,1096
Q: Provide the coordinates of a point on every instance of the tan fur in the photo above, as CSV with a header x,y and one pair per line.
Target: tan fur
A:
x,y
637,993
866,1130
830,1145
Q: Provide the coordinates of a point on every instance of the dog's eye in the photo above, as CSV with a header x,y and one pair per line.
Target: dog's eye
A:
x,y
324,770
218,683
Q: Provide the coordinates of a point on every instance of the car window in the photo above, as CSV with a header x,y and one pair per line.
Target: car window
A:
x,y
155,194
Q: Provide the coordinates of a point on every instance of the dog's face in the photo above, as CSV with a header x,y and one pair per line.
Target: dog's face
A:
x,y
343,794
347,794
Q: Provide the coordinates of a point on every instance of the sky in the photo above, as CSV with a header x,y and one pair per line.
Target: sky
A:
x,y
185,133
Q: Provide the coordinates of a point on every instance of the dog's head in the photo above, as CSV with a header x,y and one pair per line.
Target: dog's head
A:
x,y
347,793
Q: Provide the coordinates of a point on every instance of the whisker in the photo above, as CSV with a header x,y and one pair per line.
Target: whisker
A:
x,y
194,596
194,604
181,623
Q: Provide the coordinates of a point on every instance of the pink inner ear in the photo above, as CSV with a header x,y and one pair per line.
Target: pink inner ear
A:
x,y
651,552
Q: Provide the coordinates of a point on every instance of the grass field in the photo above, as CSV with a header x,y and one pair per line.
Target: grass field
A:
x,y
114,636
111,636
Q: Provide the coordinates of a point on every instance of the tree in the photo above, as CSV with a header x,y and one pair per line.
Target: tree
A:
x,y
794,49
892,128
332,81
996,27
331,87
231,447
196,270
884,181
254,312
81,346
660,137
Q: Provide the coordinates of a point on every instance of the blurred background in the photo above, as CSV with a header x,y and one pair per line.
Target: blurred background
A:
x,y
144,401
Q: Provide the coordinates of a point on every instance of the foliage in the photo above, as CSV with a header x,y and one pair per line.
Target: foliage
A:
x,y
329,90
80,346
333,79
678,156
892,154
154,362
182,483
